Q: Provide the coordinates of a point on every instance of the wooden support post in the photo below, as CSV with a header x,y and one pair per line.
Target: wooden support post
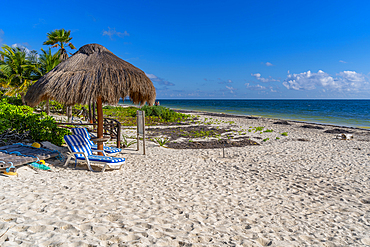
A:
x,y
90,113
100,122
144,132
119,136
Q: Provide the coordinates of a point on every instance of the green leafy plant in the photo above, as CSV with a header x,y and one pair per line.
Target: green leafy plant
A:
x,y
277,138
164,113
284,134
39,127
125,143
161,141
266,139
258,129
271,130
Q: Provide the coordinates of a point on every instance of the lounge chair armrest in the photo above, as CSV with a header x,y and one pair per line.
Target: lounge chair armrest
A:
x,y
100,151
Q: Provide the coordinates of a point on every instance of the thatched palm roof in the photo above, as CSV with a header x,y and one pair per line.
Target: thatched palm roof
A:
x,y
92,72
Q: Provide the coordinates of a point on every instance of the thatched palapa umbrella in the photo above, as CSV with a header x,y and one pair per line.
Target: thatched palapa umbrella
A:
x,y
92,74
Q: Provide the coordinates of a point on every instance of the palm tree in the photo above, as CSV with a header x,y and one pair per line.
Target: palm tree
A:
x,y
16,71
60,38
46,62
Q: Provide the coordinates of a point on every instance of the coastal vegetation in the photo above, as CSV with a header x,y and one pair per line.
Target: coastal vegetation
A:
x,y
154,115
17,71
21,121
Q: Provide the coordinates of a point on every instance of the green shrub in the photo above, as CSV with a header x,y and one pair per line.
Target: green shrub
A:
x,y
166,114
284,134
39,127
120,111
14,100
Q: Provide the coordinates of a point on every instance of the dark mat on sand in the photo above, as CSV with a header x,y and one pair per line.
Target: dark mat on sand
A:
x,y
26,154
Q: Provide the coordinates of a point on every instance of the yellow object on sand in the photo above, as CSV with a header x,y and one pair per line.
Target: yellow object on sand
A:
x,y
41,162
10,173
36,145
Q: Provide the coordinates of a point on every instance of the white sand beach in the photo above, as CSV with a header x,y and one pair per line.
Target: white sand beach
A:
x,y
305,189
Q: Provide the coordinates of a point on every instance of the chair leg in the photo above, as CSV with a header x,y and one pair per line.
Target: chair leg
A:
x,y
67,161
104,168
88,165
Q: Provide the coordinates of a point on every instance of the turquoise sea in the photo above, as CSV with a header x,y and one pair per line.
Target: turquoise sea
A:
x,y
351,113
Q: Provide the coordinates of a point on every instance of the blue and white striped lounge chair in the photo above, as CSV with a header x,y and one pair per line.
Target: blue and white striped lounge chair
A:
x,y
80,149
86,134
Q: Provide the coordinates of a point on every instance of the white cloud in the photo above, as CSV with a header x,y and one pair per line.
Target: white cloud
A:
x,y
254,87
352,81
268,64
1,36
159,80
345,81
261,79
231,89
22,47
113,32
341,61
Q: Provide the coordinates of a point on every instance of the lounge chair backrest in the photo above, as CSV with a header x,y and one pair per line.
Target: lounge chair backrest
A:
x,y
83,132
78,143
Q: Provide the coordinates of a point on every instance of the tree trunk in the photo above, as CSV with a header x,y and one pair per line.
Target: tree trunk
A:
x,y
47,107
69,114
22,97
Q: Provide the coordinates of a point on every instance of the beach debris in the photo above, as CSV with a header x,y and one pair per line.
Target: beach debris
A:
x,y
9,137
338,131
239,142
36,145
310,126
282,122
303,140
40,165
344,136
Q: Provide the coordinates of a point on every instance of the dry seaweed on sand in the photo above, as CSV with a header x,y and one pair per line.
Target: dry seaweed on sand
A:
x,y
241,142
311,126
338,131
187,132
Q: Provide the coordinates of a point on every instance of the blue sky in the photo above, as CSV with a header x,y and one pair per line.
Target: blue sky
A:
x,y
216,49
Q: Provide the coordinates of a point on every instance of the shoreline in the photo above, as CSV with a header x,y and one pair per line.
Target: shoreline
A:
x,y
273,119
221,114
